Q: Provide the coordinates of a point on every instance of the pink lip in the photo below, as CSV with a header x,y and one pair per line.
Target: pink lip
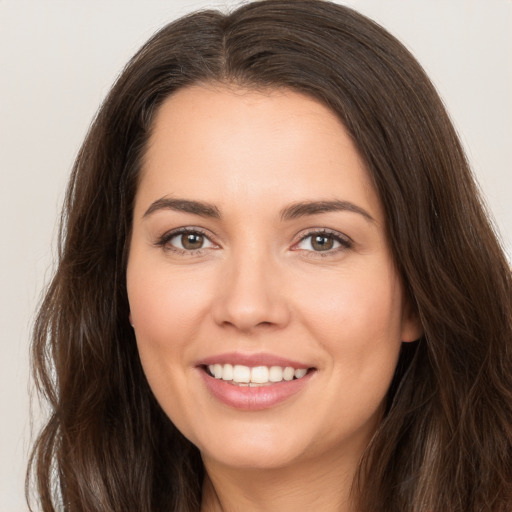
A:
x,y
261,359
252,398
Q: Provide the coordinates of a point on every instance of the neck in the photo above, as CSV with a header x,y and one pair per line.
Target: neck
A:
x,y
301,487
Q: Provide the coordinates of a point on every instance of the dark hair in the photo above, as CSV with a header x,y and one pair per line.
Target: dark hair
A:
x,y
445,442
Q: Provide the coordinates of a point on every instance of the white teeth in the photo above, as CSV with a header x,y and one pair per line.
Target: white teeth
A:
x,y
227,372
288,373
217,371
299,373
257,375
275,374
241,373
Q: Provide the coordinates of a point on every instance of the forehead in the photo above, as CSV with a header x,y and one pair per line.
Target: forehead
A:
x,y
217,143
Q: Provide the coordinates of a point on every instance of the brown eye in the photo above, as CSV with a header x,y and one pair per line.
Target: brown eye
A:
x,y
322,242
187,241
191,241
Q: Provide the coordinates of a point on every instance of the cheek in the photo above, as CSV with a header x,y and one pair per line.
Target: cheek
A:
x,y
356,302
166,309
356,318
165,305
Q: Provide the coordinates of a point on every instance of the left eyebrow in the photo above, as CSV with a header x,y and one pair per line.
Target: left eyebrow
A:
x,y
302,209
184,205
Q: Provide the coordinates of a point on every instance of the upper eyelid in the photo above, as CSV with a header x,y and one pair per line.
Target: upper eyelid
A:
x,y
185,229
325,231
344,241
168,235
305,233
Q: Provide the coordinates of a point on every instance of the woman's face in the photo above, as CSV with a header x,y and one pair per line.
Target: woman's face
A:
x,y
259,255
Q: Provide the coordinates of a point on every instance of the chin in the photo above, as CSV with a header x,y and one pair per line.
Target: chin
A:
x,y
253,457
261,447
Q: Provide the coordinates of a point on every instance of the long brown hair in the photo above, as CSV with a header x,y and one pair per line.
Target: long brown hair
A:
x,y
445,443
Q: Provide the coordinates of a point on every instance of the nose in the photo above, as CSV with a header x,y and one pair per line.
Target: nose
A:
x,y
251,294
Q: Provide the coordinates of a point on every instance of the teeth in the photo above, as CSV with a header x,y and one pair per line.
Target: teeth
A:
x,y
227,372
300,373
217,371
241,373
288,373
256,375
259,375
275,374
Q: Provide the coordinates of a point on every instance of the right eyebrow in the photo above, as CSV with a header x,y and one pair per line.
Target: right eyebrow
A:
x,y
184,205
305,208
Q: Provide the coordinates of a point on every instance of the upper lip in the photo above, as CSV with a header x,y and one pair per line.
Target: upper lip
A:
x,y
259,359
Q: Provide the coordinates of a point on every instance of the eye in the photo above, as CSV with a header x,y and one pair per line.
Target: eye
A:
x,y
186,240
189,241
323,241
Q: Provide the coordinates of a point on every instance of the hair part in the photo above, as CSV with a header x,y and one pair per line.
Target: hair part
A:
x,y
445,440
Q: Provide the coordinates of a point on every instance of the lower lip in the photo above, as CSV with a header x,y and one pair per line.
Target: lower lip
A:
x,y
253,398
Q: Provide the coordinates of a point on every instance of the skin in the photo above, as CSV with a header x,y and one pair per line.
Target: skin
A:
x,y
259,285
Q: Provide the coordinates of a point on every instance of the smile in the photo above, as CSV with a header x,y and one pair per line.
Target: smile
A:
x,y
256,386
255,376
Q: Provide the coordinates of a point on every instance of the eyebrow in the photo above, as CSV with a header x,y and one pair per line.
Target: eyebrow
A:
x,y
305,208
184,205
293,211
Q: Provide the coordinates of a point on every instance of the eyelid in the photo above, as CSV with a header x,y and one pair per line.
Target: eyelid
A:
x,y
163,240
345,241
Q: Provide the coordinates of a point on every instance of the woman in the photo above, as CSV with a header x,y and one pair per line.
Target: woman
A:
x,y
277,286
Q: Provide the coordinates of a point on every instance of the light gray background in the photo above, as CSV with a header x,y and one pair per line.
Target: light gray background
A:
x,y
57,61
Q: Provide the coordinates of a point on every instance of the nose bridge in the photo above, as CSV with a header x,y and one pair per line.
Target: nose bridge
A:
x,y
251,292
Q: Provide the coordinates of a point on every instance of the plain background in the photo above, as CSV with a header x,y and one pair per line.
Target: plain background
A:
x,y
57,62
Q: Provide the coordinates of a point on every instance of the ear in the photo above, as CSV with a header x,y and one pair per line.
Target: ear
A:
x,y
130,318
412,329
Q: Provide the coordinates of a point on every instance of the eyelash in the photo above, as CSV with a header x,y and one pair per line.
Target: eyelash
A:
x,y
344,241
164,240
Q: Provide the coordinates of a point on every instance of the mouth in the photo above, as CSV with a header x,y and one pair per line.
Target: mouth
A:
x,y
255,382
255,376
